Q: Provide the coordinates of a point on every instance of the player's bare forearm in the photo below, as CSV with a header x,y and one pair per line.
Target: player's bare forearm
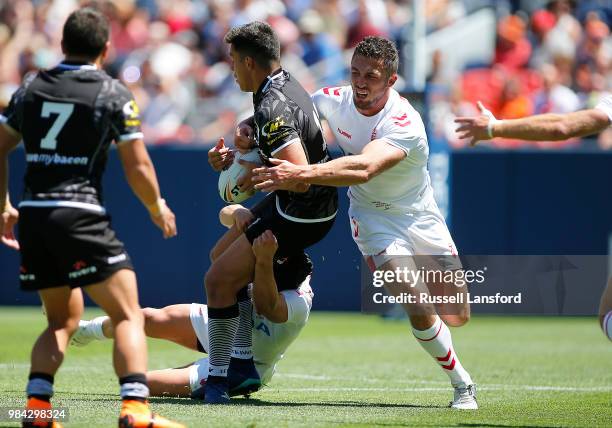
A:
x,y
376,157
266,297
553,127
139,172
4,196
8,141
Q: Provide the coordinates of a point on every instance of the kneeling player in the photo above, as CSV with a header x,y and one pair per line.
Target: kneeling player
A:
x,y
282,298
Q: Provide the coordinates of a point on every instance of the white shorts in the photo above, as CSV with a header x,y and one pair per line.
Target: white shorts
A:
x,y
401,234
198,373
198,314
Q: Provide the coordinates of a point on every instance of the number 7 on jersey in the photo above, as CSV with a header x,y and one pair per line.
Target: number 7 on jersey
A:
x,y
63,111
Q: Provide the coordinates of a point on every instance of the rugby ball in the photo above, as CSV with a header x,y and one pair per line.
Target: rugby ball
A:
x,y
228,189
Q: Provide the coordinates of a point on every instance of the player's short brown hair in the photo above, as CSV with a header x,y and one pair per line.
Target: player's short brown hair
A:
x,y
381,49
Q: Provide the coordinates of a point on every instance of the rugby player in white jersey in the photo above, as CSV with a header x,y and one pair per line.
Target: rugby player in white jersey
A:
x,y
282,299
392,208
546,127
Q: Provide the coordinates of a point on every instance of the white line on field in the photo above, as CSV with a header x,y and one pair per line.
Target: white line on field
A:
x,y
412,382
482,388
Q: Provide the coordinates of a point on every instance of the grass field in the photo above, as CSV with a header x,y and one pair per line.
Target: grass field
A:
x,y
356,370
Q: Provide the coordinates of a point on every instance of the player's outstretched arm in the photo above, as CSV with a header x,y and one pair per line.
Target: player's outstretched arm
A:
x,y
8,214
140,174
376,157
268,301
542,127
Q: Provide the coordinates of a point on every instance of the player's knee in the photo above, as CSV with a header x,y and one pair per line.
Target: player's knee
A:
x,y
456,320
69,324
151,314
214,254
213,281
128,313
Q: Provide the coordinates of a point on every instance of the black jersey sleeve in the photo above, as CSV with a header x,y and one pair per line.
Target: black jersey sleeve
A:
x,y
125,121
275,125
13,114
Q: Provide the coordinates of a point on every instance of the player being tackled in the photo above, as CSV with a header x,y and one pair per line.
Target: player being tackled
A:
x,y
282,298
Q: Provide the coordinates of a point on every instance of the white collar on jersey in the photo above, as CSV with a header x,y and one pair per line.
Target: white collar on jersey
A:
x,y
272,77
65,66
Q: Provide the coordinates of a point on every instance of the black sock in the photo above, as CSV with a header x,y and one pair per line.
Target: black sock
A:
x,y
40,385
222,327
243,342
134,387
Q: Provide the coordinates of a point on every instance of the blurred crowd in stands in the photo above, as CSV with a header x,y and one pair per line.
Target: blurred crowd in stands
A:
x,y
550,56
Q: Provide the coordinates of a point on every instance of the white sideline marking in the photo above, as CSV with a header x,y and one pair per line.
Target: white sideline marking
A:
x,y
490,387
480,388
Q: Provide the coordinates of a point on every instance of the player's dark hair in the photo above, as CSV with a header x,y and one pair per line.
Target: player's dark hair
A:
x,y
380,49
86,32
257,40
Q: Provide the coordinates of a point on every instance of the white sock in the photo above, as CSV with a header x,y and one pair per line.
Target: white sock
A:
x,y
95,326
437,341
607,325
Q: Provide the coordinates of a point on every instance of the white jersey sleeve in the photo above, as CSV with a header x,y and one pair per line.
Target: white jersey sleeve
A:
x,y
605,105
327,101
404,131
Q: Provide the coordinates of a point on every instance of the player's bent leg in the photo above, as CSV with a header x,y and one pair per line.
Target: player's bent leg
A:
x,y
226,276
453,314
173,382
224,243
605,310
118,297
223,281
63,307
432,334
171,323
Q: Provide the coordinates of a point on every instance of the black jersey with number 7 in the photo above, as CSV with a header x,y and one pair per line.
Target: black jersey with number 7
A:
x,y
68,116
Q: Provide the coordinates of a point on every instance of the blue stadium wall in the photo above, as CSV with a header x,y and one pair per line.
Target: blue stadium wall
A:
x,y
501,203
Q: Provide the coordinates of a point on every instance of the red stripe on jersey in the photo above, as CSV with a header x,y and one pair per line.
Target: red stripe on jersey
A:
x,y
402,117
336,91
403,124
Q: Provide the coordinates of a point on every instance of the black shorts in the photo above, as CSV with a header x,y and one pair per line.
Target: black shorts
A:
x,y
293,237
67,246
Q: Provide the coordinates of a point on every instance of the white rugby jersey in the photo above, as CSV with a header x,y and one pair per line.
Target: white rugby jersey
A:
x,y
271,340
405,186
605,105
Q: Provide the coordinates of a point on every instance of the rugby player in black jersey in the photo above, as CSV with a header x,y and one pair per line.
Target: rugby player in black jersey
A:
x,y
67,118
286,127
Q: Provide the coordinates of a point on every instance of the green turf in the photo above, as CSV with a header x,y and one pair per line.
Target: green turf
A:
x,y
356,370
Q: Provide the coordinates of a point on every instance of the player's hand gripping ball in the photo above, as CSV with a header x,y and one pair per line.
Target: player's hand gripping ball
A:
x,y
229,190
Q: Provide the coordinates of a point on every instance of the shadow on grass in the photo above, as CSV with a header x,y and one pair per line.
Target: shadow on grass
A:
x,y
260,403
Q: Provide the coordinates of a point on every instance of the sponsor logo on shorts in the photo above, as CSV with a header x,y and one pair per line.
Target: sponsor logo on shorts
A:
x,y
81,269
24,275
116,259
